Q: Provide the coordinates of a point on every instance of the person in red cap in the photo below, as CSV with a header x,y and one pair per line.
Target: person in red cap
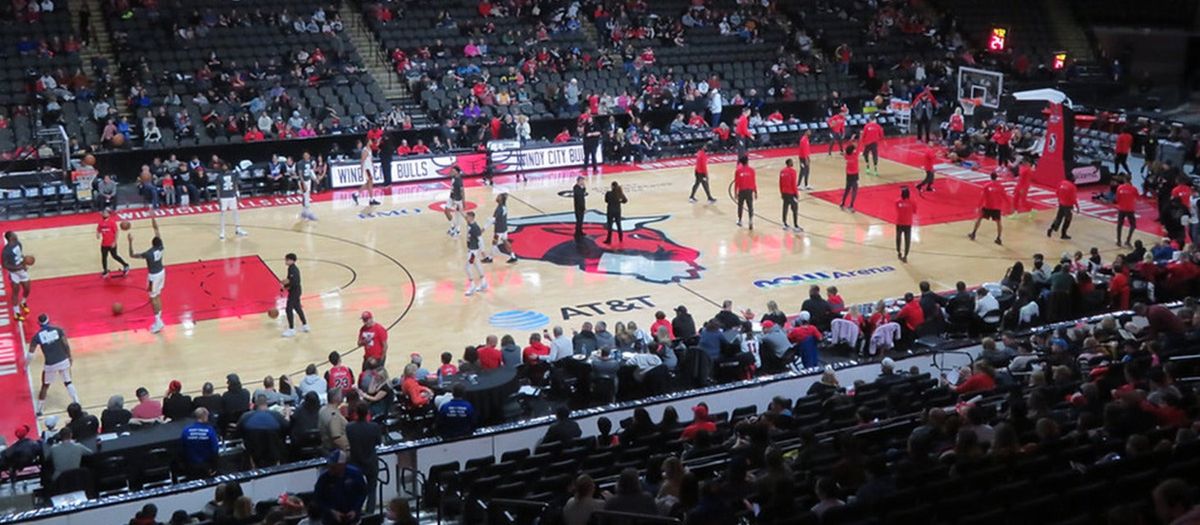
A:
x,y
372,337
176,404
700,422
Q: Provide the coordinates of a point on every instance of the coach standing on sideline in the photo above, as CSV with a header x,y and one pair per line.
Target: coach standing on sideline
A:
x,y
579,195
591,142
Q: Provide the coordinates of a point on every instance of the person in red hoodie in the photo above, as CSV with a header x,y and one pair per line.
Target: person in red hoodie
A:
x,y
1121,152
910,317
851,179
790,192
930,157
490,357
701,173
872,133
1127,196
1024,173
1002,137
700,422
837,130
746,186
991,201
905,209
1068,202
805,153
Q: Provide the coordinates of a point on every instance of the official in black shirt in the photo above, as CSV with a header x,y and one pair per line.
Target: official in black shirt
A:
x,y
292,285
591,142
579,195
614,198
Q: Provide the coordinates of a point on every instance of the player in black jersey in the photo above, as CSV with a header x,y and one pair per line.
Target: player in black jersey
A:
x,y
227,193
454,205
292,285
499,221
53,342
474,257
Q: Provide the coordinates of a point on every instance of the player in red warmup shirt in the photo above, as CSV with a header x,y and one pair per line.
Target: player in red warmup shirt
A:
x,y
837,130
930,158
372,337
742,130
805,153
1121,151
872,133
991,202
746,186
1068,201
701,175
790,192
106,231
1126,202
851,179
905,209
1024,181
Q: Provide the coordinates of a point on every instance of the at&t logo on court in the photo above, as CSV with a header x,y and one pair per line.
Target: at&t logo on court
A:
x,y
816,277
519,319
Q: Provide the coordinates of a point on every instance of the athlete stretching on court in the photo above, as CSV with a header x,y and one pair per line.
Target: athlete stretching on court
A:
x,y
790,192
474,257
851,179
368,170
746,187
991,203
499,223
701,175
53,341
13,259
156,275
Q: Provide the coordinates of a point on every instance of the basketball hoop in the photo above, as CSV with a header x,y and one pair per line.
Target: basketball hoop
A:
x,y
969,105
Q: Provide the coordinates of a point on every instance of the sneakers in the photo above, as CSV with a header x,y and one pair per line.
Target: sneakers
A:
x,y
125,270
453,232
305,329
373,202
289,333
222,236
1066,237
156,327
998,242
241,233
483,287
104,274
1048,231
739,224
971,236
712,201
798,229
355,197
470,291
512,260
486,260
692,200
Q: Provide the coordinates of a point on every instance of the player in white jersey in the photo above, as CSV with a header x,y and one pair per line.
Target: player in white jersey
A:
x,y
368,171
228,190
499,221
454,205
308,176
474,256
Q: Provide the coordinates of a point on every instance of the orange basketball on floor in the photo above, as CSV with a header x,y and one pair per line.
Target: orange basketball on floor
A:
x,y
30,260
125,225
89,160
273,313
118,308
118,140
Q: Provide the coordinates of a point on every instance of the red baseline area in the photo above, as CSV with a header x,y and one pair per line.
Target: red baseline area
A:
x,y
951,200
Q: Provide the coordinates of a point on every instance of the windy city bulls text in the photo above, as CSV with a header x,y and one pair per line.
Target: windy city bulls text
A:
x,y
610,306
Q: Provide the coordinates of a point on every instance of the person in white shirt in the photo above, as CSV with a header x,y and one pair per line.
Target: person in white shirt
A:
x,y
560,346
985,303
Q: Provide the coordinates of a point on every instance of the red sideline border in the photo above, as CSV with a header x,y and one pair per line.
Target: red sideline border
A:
x,y
18,407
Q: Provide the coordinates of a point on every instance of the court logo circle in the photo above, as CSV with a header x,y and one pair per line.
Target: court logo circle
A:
x,y
519,319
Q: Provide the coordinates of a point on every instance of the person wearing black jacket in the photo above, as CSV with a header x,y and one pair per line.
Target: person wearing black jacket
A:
x,y
591,142
818,308
683,326
613,198
563,429
727,318
234,402
579,196
364,436
931,304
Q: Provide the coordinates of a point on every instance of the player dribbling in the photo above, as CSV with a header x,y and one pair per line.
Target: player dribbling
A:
x,y
499,221
474,257
156,275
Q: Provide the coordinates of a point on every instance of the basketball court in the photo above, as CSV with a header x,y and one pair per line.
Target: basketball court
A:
x,y
396,261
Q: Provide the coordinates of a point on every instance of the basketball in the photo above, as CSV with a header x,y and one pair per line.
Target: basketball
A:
x,y
145,177
125,226
118,308
89,160
30,260
273,313
118,140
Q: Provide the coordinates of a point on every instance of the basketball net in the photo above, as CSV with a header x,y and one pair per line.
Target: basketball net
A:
x,y
969,105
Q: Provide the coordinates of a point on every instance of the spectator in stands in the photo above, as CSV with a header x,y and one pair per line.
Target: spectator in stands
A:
x,y
683,327
66,454
235,401
332,423
826,491
711,340
827,385
24,452
82,424
490,357
340,491
605,367
563,429
176,404
364,436
457,417
979,377
209,400
630,497
579,508
115,418
818,308
701,422
199,445
911,316
106,196
1175,502
584,341
887,373
311,382
263,430
1162,321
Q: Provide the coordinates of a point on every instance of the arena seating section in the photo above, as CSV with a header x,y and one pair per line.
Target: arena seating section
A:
x,y
152,55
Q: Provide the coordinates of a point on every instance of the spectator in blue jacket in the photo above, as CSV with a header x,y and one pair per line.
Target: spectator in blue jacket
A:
x,y
200,445
456,417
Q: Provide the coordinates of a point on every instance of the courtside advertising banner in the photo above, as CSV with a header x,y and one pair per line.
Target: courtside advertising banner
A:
x,y
535,159
350,175
1050,168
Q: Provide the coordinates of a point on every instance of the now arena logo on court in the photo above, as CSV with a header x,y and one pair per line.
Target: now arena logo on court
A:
x,y
381,214
816,277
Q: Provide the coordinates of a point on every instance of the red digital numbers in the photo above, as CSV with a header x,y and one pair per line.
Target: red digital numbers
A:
x,y
998,39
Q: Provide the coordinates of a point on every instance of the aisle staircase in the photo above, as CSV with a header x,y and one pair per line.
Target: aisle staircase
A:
x,y
378,64
101,46
1069,32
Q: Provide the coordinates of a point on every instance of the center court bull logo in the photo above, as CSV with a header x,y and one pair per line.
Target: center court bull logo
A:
x,y
647,253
